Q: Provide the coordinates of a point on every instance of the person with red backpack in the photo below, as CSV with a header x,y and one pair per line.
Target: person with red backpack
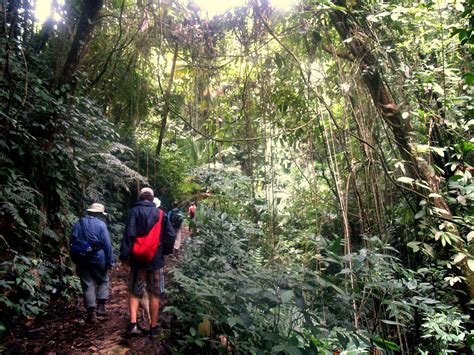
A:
x,y
148,237
192,210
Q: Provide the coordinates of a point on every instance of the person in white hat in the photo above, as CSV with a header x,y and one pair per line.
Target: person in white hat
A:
x,y
141,219
92,253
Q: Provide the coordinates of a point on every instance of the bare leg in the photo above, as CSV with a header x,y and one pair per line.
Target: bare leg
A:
x,y
154,307
134,302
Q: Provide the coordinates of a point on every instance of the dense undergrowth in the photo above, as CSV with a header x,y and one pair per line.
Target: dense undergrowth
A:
x,y
230,293
224,290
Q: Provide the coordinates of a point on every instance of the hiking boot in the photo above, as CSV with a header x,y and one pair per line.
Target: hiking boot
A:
x,y
133,330
91,316
101,311
154,331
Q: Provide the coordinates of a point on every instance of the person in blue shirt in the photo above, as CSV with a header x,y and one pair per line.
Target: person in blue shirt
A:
x,y
176,218
93,268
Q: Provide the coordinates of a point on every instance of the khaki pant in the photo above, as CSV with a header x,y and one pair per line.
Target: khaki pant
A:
x,y
95,284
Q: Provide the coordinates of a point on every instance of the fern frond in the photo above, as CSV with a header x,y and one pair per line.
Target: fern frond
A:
x,y
119,147
51,234
119,168
11,209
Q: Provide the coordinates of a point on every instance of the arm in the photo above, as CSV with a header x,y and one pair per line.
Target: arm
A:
x,y
76,230
107,246
168,236
126,243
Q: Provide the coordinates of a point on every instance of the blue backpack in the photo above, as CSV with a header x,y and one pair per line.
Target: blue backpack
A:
x,y
82,250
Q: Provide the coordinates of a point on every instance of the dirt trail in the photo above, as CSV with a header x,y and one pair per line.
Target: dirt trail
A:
x,y
64,330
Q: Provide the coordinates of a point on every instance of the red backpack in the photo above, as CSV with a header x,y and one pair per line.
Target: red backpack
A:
x,y
192,211
145,247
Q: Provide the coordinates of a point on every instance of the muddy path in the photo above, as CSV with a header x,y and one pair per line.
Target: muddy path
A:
x,y
64,330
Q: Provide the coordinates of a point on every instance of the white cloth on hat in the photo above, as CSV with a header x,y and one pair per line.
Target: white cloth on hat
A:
x,y
97,208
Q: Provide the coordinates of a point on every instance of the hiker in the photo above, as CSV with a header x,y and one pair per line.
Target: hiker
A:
x,y
192,210
92,253
141,220
176,218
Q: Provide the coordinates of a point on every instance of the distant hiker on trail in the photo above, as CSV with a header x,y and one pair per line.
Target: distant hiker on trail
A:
x,y
176,218
147,238
92,253
192,210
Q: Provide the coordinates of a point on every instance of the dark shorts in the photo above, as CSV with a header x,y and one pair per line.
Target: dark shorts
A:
x,y
139,280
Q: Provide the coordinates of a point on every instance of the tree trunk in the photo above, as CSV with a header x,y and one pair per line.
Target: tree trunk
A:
x,y
166,109
390,112
87,21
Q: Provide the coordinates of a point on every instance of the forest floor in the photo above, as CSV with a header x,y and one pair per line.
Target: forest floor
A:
x,y
64,330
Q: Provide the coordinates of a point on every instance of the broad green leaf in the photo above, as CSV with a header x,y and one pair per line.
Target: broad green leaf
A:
x,y
462,200
470,236
438,89
458,257
406,180
286,296
469,78
199,342
420,214
428,249
414,245
441,211
412,284
469,124
424,186
422,148
438,150
391,322
385,344
470,263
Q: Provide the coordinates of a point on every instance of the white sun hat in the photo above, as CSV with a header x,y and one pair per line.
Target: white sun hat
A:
x,y
157,202
97,208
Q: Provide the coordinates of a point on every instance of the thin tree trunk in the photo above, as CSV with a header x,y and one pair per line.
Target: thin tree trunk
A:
x,y
166,109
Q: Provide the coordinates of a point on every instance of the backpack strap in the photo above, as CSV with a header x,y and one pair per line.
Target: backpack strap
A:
x,y
160,216
83,230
